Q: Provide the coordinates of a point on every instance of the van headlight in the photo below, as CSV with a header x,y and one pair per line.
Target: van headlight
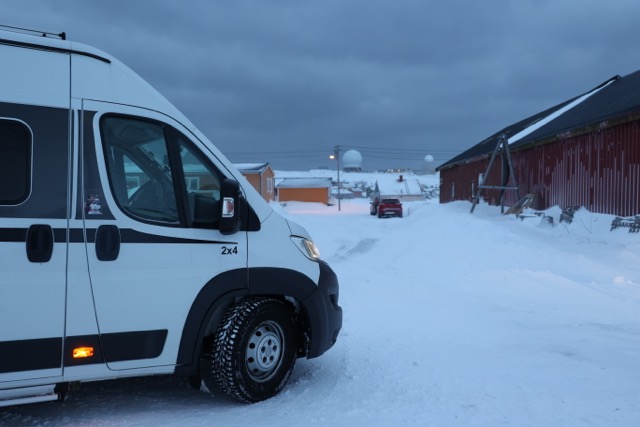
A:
x,y
307,247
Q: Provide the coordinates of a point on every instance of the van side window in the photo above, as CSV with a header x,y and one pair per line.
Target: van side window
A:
x,y
138,168
15,162
202,183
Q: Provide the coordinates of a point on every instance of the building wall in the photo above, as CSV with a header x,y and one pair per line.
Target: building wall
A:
x,y
268,184
254,180
263,183
598,170
461,182
318,195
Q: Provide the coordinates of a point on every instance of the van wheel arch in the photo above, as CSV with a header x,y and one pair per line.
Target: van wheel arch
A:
x,y
230,287
200,372
206,311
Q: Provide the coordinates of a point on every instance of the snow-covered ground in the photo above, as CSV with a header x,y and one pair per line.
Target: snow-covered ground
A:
x,y
450,319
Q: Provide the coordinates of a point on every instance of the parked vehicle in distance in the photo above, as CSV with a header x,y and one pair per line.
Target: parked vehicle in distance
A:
x,y
389,207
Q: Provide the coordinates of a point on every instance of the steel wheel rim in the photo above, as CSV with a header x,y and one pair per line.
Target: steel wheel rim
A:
x,y
264,351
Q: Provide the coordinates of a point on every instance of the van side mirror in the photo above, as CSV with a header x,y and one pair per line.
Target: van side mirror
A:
x,y
230,214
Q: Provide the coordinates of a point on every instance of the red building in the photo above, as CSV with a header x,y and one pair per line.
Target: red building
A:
x,y
261,176
583,152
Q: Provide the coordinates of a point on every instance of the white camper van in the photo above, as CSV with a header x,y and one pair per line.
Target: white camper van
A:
x,y
130,246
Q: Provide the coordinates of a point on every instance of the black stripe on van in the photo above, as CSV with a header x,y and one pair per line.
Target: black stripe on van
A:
x,y
46,353
11,235
128,235
133,236
30,355
121,346
116,347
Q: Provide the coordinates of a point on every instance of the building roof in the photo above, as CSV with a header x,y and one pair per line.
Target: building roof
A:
x,y
614,98
488,145
619,96
304,183
251,167
406,187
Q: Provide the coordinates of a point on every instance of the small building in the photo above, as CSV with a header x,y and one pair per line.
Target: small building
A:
x,y
342,193
400,188
261,176
304,190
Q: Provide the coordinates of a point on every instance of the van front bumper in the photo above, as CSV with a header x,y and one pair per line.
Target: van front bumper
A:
x,y
324,315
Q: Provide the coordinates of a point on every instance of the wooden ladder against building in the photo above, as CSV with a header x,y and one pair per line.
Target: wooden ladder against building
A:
x,y
502,148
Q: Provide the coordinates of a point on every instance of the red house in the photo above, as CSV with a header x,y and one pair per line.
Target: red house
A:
x,y
583,152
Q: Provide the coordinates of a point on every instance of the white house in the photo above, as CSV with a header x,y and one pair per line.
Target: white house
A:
x,y
400,188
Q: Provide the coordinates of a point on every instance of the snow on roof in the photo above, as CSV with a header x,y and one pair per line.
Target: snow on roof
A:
x,y
250,167
537,125
304,183
367,179
344,191
406,187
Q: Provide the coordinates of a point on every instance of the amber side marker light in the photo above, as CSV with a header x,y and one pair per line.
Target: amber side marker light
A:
x,y
80,352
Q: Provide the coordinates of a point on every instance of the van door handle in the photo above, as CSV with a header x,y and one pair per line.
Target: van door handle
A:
x,y
40,243
107,242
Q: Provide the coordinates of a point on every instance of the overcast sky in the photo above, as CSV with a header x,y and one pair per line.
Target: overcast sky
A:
x,y
285,81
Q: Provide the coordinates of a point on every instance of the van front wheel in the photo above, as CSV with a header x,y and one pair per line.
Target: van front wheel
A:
x,y
254,350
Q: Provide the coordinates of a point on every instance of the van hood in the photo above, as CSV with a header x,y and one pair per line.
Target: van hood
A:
x,y
297,230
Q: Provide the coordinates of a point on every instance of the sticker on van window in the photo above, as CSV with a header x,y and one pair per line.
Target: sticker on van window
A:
x,y
93,204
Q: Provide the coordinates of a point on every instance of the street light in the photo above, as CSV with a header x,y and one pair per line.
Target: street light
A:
x,y
336,155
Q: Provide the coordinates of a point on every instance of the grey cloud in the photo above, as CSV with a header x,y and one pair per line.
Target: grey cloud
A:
x,y
262,78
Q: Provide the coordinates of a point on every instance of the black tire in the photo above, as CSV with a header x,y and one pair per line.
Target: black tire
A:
x,y
262,327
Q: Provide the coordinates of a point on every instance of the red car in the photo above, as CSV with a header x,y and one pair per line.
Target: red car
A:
x,y
386,207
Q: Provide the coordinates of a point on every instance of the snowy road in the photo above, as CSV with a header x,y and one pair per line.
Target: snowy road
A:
x,y
450,319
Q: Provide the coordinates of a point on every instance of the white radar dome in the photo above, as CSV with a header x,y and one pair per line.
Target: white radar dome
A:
x,y
427,165
352,160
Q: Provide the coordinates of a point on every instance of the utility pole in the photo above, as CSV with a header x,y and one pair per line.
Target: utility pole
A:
x,y
339,185
336,155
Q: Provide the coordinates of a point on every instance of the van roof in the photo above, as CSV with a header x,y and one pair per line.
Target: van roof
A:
x,y
44,42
